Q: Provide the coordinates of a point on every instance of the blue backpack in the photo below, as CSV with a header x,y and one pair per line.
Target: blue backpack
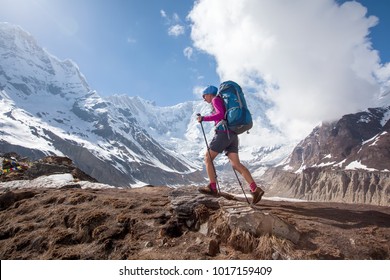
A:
x,y
237,117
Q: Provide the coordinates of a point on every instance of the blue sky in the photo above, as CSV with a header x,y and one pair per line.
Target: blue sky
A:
x,y
331,54
121,46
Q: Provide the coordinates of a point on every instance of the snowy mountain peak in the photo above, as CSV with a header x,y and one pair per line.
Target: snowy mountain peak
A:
x,y
42,73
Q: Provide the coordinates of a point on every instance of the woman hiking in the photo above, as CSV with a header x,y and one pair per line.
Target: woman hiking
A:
x,y
223,141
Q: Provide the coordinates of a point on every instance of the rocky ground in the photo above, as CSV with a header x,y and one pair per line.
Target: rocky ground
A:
x,y
164,223
50,209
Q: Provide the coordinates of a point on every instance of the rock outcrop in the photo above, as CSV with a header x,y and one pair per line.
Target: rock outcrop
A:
x,y
49,165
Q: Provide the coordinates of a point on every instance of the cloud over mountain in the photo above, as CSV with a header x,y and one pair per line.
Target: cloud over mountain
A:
x,y
313,59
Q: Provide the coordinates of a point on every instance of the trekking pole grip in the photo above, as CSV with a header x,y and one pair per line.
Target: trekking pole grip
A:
x,y
199,115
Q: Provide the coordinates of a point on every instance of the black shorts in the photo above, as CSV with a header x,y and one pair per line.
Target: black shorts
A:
x,y
223,141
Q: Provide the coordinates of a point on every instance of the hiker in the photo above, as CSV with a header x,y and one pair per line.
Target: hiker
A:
x,y
223,140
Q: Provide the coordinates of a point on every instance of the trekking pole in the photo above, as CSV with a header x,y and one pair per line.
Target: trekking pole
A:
x,y
239,182
208,149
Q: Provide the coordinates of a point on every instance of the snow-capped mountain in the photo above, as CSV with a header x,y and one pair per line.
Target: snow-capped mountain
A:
x,y
356,141
47,107
346,160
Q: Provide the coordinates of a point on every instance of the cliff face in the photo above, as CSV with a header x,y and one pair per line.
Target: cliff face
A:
x,y
351,186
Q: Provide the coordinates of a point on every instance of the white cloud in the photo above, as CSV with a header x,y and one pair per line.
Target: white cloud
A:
x,y
163,13
176,30
175,27
383,75
188,52
313,59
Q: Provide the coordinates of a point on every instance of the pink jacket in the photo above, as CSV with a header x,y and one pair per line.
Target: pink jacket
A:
x,y
219,113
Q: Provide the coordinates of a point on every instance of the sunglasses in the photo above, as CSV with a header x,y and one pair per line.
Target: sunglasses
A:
x,y
204,96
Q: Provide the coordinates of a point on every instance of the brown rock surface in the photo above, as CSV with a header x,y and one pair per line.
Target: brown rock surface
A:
x,y
164,223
